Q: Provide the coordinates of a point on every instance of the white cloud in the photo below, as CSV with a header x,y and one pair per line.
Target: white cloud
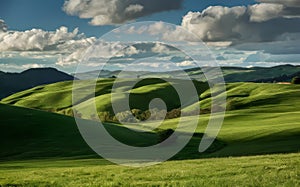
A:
x,y
40,44
19,68
254,23
185,64
27,66
164,31
40,40
288,3
127,51
160,48
133,9
229,26
111,12
265,11
100,52
214,23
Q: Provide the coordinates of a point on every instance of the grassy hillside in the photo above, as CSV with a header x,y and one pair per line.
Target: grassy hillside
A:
x,y
259,96
28,134
264,119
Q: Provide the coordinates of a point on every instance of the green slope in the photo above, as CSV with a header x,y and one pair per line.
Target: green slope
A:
x,y
277,97
29,134
262,118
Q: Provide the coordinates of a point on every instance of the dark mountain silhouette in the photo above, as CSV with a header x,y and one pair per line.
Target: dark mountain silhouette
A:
x,y
11,83
282,73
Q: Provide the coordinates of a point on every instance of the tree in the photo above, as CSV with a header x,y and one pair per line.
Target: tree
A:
x,y
296,80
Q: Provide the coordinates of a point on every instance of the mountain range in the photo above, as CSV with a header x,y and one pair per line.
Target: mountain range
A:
x,y
11,83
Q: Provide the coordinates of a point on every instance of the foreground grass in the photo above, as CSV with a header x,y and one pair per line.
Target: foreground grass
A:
x,y
268,170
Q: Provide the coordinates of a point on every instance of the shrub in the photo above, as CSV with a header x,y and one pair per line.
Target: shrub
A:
x,y
125,116
296,80
175,113
104,116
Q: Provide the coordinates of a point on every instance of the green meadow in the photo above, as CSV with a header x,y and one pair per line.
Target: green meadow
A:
x,y
267,170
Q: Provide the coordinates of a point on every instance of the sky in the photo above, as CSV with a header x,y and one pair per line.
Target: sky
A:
x,y
35,33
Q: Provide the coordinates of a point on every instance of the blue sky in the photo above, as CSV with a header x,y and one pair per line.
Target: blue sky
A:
x,y
43,33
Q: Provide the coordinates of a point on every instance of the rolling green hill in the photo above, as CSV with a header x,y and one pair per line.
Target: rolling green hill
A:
x,y
33,134
39,148
261,118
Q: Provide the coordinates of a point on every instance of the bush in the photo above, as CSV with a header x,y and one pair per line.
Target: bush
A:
x,y
104,116
157,114
175,113
296,80
125,116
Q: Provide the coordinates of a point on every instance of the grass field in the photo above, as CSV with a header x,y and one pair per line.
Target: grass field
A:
x,y
268,170
39,148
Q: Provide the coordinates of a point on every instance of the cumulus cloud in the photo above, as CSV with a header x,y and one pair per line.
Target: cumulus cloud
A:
x,y
99,52
226,26
214,23
127,51
288,3
160,48
185,63
265,11
40,44
111,12
164,31
255,23
39,40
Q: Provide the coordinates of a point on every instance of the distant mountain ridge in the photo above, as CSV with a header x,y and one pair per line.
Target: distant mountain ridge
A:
x,y
11,83
281,73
